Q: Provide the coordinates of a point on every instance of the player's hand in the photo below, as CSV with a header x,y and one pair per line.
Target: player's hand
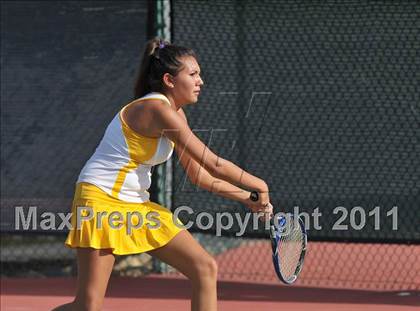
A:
x,y
262,205
266,213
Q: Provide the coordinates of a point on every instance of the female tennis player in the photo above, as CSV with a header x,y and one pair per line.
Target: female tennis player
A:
x,y
111,207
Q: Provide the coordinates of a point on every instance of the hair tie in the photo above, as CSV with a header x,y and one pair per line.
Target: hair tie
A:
x,y
161,45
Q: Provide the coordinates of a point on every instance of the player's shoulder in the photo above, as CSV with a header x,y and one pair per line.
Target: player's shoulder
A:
x,y
156,107
152,102
152,105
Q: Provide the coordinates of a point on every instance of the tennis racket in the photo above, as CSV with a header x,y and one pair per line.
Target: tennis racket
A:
x,y
288,242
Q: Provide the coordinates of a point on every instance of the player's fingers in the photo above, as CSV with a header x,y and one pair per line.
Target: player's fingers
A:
x,y
268,211
268,208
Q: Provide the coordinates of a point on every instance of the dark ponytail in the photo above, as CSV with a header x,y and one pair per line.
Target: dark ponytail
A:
x,y
159,57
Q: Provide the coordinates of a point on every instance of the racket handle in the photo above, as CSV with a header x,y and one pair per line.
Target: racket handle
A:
x,y
254,196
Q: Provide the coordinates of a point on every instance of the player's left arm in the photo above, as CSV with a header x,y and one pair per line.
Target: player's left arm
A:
x,y
199,176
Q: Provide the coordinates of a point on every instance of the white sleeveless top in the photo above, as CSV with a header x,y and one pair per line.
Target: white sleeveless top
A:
x,y
122,162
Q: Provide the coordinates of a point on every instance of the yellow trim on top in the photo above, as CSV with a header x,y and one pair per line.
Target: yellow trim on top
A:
x,y
140,149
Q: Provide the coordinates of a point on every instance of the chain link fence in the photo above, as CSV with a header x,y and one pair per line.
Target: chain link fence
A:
x,y
319,98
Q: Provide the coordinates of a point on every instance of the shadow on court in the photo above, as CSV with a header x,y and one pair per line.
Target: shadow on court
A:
x,y
158,287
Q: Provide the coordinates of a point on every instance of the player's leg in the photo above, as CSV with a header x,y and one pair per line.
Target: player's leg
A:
x,y
94,269
187,256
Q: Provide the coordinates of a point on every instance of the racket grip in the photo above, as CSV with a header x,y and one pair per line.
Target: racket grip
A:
x,y
254,196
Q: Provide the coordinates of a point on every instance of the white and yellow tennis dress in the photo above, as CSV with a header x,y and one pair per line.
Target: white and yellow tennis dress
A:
x,y
114,182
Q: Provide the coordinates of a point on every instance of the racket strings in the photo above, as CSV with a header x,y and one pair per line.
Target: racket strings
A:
x,y
290,249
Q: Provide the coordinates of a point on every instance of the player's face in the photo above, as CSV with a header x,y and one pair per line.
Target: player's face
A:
x,y
188,82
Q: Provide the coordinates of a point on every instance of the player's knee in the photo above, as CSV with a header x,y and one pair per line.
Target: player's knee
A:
x,y
206,269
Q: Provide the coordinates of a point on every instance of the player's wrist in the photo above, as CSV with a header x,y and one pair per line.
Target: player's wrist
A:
x,y
261,187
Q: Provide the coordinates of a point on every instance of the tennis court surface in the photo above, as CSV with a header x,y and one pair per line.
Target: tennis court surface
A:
x,y
346,286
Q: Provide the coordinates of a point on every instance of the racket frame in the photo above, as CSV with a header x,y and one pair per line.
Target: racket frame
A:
x,y
275,240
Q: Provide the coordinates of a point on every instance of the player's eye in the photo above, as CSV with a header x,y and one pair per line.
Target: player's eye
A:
x,y
195,73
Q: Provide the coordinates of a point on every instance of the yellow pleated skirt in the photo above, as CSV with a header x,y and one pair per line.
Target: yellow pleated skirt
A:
x,y
102,222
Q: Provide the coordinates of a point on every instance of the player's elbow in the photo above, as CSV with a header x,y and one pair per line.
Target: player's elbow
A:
x,y
202,178
194,180
217,168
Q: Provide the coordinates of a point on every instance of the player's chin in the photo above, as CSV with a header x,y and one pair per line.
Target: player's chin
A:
x,y
194,98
